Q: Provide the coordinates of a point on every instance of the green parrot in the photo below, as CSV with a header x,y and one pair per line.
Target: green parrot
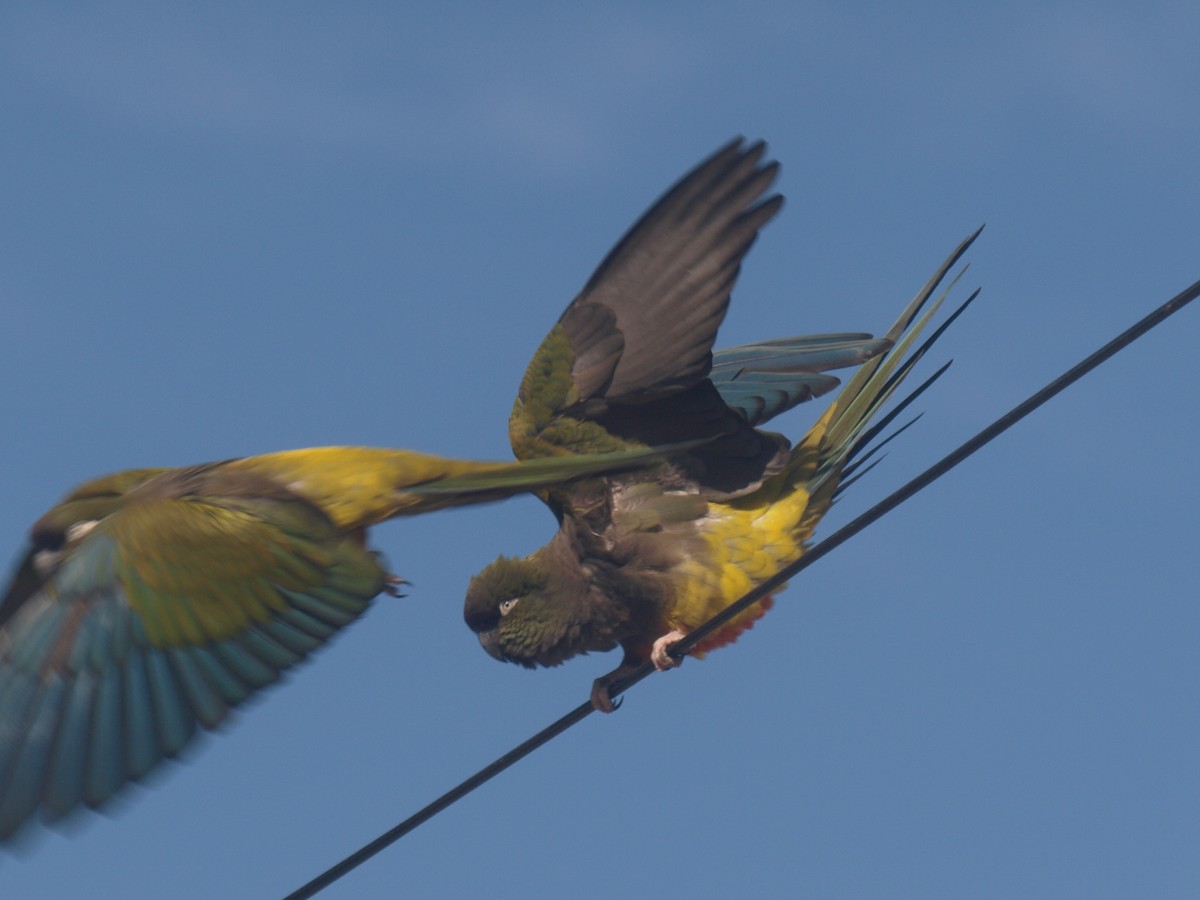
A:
x,y
151,601
641,559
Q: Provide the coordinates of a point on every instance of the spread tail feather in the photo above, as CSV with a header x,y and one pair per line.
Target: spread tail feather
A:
x,y
849,429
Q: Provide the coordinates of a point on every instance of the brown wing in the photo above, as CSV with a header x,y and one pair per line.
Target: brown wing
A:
x,y
644,324
643,327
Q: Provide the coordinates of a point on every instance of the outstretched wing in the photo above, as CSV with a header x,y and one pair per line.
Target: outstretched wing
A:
x,y
169,612
643,327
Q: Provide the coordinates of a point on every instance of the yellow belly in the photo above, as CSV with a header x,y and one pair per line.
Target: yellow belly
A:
x,y
748,540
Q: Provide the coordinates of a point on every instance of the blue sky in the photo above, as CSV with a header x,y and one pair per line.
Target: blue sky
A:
x,y
252,228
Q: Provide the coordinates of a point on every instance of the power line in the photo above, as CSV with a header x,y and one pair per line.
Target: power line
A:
x,y
839,537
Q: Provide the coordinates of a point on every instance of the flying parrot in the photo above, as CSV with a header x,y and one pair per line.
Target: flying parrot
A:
x,y
640,559
151,601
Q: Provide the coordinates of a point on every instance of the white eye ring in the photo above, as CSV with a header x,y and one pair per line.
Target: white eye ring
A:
x,y
506,606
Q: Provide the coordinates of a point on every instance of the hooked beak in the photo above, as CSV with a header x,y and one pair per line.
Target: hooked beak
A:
x,y
488,640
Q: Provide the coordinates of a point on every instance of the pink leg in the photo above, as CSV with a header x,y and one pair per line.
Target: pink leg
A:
x,y
658,654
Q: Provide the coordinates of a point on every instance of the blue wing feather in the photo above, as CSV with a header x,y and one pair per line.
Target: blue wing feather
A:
x,y
143,751
88,702
767,378
106,761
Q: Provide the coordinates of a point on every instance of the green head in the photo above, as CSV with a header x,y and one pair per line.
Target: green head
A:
x,y
56,533
66,524
526,613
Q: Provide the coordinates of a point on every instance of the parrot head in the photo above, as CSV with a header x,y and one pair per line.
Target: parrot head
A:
x,y
55,534
529,613
500,608
79,511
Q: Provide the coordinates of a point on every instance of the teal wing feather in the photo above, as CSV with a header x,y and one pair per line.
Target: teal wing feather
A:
x,y
767,378
165,616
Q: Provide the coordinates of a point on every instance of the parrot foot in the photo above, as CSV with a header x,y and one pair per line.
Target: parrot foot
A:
x,y
601,701
392,585
658,654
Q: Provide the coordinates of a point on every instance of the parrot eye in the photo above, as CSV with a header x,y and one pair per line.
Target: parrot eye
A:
x,y
48,540
506,606
50,546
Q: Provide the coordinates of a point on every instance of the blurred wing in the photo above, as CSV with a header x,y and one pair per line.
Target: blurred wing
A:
x,y
167,614
644,325
765,379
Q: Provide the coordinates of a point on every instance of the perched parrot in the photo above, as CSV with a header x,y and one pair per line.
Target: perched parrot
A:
x,y
151,601
641,559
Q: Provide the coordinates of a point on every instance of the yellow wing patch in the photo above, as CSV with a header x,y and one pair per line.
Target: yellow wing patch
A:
x,y
196,572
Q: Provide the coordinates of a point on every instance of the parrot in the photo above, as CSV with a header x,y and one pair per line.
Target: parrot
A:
x,y
642,558
152,601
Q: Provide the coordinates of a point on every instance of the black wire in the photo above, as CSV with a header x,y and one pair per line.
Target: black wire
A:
x,y
423,815
934,472
839,537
